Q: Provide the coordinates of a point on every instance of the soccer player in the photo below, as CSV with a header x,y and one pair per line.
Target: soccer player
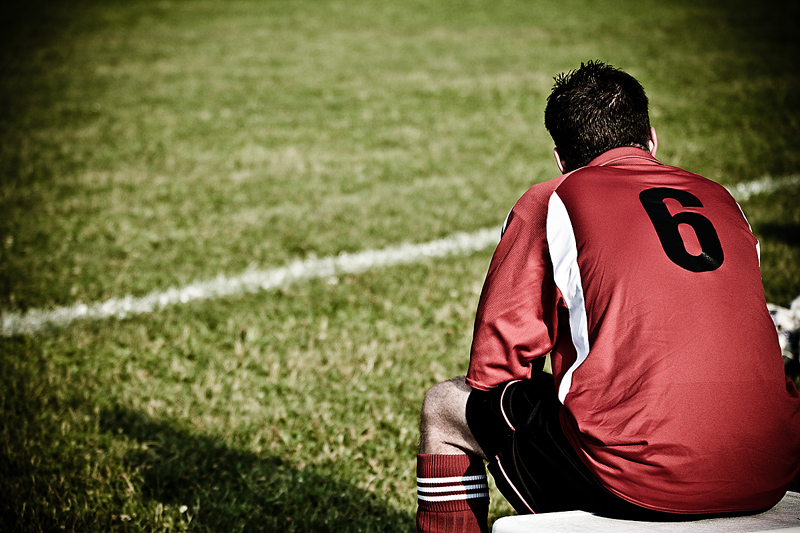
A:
x,y
668,397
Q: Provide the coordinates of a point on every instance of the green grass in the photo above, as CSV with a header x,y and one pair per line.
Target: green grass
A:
x,y
148,144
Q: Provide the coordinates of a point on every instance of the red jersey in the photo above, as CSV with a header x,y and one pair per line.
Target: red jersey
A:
x,y
643,282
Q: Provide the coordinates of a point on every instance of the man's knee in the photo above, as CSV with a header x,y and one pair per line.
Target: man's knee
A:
x,y
443,421
445,401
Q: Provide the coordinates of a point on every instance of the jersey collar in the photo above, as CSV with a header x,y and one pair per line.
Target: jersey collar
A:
x,y
618,156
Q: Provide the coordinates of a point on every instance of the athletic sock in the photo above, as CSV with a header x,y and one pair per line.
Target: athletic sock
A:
x,y
453,494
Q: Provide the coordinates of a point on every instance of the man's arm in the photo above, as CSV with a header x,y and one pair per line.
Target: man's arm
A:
x,y
516,321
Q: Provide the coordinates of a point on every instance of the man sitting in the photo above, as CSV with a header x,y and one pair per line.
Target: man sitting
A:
x,y
668,396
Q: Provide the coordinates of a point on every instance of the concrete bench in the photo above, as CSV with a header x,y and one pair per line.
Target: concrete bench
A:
x,y
784,518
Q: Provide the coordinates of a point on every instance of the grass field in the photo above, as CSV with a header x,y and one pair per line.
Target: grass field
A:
x,y
148,144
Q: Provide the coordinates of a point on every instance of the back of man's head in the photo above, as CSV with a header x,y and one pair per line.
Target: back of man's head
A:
x,y
594,109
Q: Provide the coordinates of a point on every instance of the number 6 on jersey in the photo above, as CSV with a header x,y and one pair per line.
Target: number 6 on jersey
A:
x,y
666,226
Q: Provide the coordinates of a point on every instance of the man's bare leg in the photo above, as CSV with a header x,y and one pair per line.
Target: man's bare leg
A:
x,y
443,423
451,479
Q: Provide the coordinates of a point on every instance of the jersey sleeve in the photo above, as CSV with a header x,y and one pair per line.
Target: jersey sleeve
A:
x,y
516,319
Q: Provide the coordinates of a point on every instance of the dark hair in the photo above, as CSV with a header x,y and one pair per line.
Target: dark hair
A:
x,y
594,109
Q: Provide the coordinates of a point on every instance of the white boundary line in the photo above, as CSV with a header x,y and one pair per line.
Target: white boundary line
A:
x,y
251,281
744,191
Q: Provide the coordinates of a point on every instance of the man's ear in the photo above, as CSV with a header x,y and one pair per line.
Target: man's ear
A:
x,y
559,161
652,144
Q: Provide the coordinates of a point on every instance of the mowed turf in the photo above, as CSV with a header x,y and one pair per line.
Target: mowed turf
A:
x,y
150,144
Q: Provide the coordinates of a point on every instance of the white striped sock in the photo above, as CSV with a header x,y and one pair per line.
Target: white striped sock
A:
x,y
445,489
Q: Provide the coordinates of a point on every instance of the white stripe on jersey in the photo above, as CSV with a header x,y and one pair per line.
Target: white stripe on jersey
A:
x,y
567,275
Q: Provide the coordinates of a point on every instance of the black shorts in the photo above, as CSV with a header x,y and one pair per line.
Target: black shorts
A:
x,y
533,464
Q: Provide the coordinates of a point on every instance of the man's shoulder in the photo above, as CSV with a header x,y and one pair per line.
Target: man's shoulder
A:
x,y
541,192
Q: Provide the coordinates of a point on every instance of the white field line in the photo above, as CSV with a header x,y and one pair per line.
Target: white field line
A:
x,y
251,281
744,191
